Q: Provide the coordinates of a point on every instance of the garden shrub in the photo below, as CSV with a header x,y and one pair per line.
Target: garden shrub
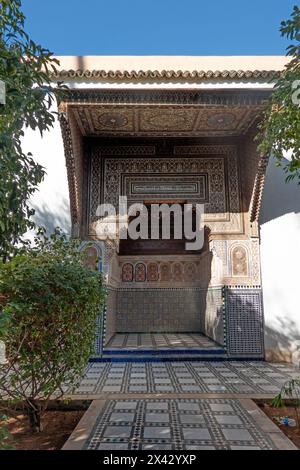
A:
x,y
49,304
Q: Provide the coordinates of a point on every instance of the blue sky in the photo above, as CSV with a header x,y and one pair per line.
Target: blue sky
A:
x,y
158,27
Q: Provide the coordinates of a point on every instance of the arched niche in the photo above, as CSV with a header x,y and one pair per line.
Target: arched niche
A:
x,y
239,261
92,255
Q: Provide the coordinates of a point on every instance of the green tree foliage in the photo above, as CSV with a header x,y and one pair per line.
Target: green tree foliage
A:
x,y
280,128
24,68
49,302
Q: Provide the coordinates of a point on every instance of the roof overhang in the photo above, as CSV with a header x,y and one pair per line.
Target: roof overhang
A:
x,y
168,68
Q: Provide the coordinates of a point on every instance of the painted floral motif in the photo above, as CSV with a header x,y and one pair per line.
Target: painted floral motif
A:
x,y
127,272
190,272
177,271
165,272
152,272
140,272
239,261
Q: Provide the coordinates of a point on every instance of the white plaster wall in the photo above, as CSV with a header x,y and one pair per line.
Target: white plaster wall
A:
x,y
51,200
280,263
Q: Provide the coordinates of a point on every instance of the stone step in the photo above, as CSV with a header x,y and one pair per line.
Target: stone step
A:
x,y
157,359
161,355
163,351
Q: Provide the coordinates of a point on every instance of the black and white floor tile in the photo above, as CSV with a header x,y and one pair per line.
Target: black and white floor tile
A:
x,y
176,424
159,341
185,377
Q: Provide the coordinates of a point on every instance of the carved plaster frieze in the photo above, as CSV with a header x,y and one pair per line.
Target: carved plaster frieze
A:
x,y
129,150
163,270
222,206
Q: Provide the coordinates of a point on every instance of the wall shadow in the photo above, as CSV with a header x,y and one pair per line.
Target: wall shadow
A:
x,y
282,342
279,197
46,217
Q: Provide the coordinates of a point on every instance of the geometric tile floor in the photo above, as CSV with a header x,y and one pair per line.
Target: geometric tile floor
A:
x,y
176,424
159,341
149,406
233,377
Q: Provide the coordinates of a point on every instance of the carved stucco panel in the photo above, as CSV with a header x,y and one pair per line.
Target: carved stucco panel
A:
x,y
224,252
160,271
220,251
255,261
239,261
223,208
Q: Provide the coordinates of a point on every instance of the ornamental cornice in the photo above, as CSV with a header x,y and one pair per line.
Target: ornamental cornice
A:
x,y
191,97
166,74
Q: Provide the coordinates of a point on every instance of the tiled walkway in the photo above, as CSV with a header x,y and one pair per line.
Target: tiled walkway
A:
x,y
179,406
159,341
248,378
176,424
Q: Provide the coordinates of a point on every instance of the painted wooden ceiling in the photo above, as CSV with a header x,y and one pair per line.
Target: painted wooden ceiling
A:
x,y
164,120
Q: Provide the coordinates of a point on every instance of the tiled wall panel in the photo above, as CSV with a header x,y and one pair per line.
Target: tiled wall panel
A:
x,y
245,329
